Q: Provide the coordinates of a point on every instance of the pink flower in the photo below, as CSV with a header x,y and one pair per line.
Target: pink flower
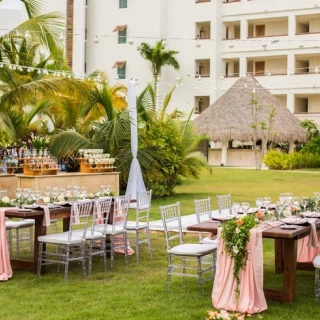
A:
x,y
239,222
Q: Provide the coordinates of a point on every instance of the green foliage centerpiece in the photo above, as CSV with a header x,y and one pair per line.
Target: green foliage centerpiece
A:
x,y
236,234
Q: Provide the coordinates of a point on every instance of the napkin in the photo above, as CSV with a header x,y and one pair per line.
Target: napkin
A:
x,y
313,237
46,220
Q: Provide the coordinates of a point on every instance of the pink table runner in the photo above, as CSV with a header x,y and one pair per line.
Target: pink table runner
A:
x,y
306,253
252,299
5,266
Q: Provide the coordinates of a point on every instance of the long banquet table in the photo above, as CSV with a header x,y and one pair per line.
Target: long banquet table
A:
x,y
285,255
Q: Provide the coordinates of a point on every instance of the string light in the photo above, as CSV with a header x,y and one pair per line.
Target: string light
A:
x,y
96,39
61,37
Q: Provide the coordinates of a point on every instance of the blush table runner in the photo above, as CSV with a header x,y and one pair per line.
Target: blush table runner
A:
x,y
5,266
252,299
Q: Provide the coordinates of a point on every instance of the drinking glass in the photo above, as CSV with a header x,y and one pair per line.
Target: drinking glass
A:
x,y
316,196
279,208
266,202
259,202
47,191
18,192
55,193
304,202
3,193
235,207
245,206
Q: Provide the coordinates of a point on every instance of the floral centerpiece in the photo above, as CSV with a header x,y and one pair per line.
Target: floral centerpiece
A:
x,y
225,315
6,202
236,234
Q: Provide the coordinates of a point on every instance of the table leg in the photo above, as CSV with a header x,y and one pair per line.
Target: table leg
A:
x,y
289,270
278,256
66,224
39,230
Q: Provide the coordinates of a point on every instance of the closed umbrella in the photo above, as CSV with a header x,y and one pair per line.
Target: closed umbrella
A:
x,y
135,181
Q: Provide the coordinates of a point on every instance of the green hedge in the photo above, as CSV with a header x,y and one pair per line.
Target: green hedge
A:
x,y
283,161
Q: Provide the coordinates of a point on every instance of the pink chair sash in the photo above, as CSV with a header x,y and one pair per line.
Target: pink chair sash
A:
x,y
252,299
5,266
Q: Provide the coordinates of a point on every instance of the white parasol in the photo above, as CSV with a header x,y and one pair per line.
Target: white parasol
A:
x,y
135,181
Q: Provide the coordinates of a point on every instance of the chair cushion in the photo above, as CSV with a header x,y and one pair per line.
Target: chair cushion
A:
x,y
316,262
89,234
193,249
133,205
117,229
19,224
60,238
132,225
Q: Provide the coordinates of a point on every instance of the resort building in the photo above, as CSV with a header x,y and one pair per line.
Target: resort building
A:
x,y
218,42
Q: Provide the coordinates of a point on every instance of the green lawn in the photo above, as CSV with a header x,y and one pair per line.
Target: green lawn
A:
x,y
139,291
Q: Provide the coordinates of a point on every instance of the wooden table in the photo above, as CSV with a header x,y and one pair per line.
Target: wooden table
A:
x,y
40,230
285,256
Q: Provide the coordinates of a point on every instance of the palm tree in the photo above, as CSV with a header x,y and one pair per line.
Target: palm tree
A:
x,y
158,57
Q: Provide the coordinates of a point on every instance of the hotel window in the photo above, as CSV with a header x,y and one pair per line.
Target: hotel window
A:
x,y
121,69
123,4
122,33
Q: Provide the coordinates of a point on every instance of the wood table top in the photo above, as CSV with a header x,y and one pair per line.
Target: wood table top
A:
x,y
272,232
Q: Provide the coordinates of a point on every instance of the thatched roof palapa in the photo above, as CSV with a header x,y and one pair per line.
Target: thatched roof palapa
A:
x,y
230,117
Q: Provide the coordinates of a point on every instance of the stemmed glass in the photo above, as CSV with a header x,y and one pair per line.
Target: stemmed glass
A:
x,y
266,202
47,191
55,193
316,196
304,202
279,208
245,206
235,207
259,202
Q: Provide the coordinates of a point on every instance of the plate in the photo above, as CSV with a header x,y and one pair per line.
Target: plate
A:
x,y
223,218
289,227
24,210
311,214
60,203
29,206
294,221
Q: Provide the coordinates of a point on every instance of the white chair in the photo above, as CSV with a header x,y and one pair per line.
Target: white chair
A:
x,y
117,232
23,233
69,247
203,213
316,264
95,239
142,207
224,203
189,255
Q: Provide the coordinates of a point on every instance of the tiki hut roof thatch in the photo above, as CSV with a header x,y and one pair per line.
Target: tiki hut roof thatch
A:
x,y
231,117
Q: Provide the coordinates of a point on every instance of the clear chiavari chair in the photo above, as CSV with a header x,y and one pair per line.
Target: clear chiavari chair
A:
x,y
224,203
70,246
141,223
185,259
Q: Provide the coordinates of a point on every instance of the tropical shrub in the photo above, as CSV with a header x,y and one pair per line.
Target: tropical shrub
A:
x,y
296,160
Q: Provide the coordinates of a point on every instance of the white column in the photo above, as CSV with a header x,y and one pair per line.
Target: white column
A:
x,y
290,101
291,25
291,146
224,152
243,29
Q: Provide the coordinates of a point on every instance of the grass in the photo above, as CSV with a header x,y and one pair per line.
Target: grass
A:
x,y
139,291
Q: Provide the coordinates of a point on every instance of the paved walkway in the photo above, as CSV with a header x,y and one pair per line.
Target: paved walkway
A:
x,y
185,220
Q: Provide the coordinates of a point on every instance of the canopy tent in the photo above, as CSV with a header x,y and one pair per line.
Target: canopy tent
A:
x,y
135,181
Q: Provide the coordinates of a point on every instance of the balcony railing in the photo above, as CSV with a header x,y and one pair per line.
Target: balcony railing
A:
x,y
199,1
229,1
268,36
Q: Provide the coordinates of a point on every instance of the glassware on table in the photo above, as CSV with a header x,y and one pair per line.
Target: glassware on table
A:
x,y
259,202
55,193
245,206
235,207
3,193
304,202
84,192
47,191
18,193
279,208
316,196
266,202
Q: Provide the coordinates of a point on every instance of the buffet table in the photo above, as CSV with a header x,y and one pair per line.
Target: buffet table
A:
x,y
91,180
